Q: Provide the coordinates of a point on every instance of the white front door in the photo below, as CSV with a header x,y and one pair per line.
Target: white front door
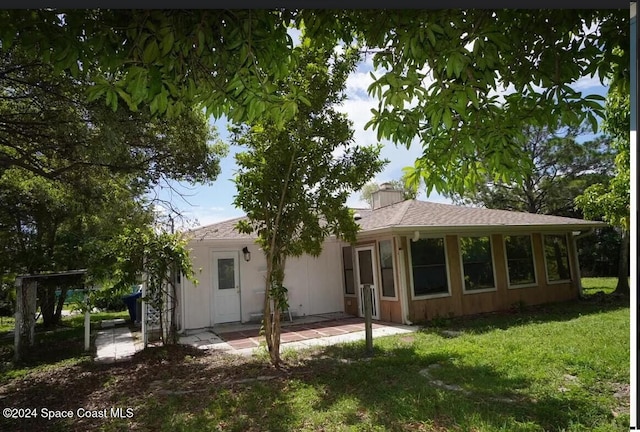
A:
x,y
226,288
367,280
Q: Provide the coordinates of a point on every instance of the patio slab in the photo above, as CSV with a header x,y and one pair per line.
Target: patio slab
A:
x,y
328,331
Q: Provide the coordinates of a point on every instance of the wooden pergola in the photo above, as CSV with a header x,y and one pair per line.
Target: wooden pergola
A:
x,y
26,295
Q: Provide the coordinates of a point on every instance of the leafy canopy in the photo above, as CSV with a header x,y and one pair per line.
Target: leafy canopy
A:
x,y
437,74
612,202
561,168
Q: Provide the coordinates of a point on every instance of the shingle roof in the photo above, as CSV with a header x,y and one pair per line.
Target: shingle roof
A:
x,y
220,231
411,214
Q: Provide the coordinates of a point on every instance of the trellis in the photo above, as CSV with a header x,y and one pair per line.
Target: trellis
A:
x,y
151,317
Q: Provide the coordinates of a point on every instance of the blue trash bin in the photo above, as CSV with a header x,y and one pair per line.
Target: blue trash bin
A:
x,y
131,301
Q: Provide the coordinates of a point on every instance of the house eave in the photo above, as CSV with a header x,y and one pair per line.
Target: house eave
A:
x,y
467,229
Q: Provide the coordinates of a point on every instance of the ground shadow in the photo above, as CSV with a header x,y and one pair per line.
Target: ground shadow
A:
x,y
525,315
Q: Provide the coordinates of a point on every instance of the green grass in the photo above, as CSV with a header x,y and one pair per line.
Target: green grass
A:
x,y
57,347
6,324
558,371
593,285
561,367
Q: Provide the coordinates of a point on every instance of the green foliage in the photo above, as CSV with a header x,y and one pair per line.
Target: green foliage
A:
x,y
7,294
74,174
555,170
47,127
437,71
153,258
109,299
612,202
293,182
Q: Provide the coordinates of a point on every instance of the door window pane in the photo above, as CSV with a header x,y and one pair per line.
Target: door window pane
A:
x,y
226,274
365,267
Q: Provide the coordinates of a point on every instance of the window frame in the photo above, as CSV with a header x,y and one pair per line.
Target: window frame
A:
x,y
546,265
446,264
533,258
493,265
394,266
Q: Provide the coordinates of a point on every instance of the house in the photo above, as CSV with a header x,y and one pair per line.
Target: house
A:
x,y
419,260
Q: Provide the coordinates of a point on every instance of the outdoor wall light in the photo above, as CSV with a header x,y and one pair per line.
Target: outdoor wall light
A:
x,y
246,253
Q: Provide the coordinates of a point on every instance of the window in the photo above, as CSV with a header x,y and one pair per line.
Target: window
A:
x,y
556,256
429,267
347,265
477,265
386,268
520,260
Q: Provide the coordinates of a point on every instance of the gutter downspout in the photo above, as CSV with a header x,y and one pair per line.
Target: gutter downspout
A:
x,y
576,261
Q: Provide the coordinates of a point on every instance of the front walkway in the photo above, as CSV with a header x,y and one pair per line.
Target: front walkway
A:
x,y
115,344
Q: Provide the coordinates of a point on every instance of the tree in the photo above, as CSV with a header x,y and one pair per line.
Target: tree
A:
x,y
438,70
407,192
291,182
612,202
73,174
560,169
46,225
47,127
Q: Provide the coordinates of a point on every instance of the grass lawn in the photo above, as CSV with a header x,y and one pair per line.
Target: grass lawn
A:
x,y
62,345
593,285
561,367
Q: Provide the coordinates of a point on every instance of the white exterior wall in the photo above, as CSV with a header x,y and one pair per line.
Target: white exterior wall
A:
x,y
315,284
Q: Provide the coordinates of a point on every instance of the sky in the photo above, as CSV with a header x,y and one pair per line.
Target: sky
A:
x,y
207,204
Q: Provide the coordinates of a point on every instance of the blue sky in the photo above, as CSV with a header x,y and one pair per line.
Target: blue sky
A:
x,y
203,205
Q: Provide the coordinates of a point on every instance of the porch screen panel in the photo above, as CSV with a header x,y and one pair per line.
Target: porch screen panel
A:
x,y
477,263
520,260
365,267
429,266
347,265
556,254
386,268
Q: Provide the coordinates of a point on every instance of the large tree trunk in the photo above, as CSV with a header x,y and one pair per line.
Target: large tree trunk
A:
x,y
623,266
47,303
273,307
57,316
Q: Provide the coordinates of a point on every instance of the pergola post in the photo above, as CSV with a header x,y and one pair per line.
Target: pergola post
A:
x,y
87,321
24,332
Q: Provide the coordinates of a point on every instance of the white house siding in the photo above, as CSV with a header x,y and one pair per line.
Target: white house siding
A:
x,y
196,298
315,284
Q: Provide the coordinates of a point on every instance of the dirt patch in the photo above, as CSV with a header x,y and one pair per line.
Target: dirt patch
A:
x,y
153,373
621,393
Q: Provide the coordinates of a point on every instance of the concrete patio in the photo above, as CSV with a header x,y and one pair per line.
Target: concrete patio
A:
x,y
304,332
117,343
